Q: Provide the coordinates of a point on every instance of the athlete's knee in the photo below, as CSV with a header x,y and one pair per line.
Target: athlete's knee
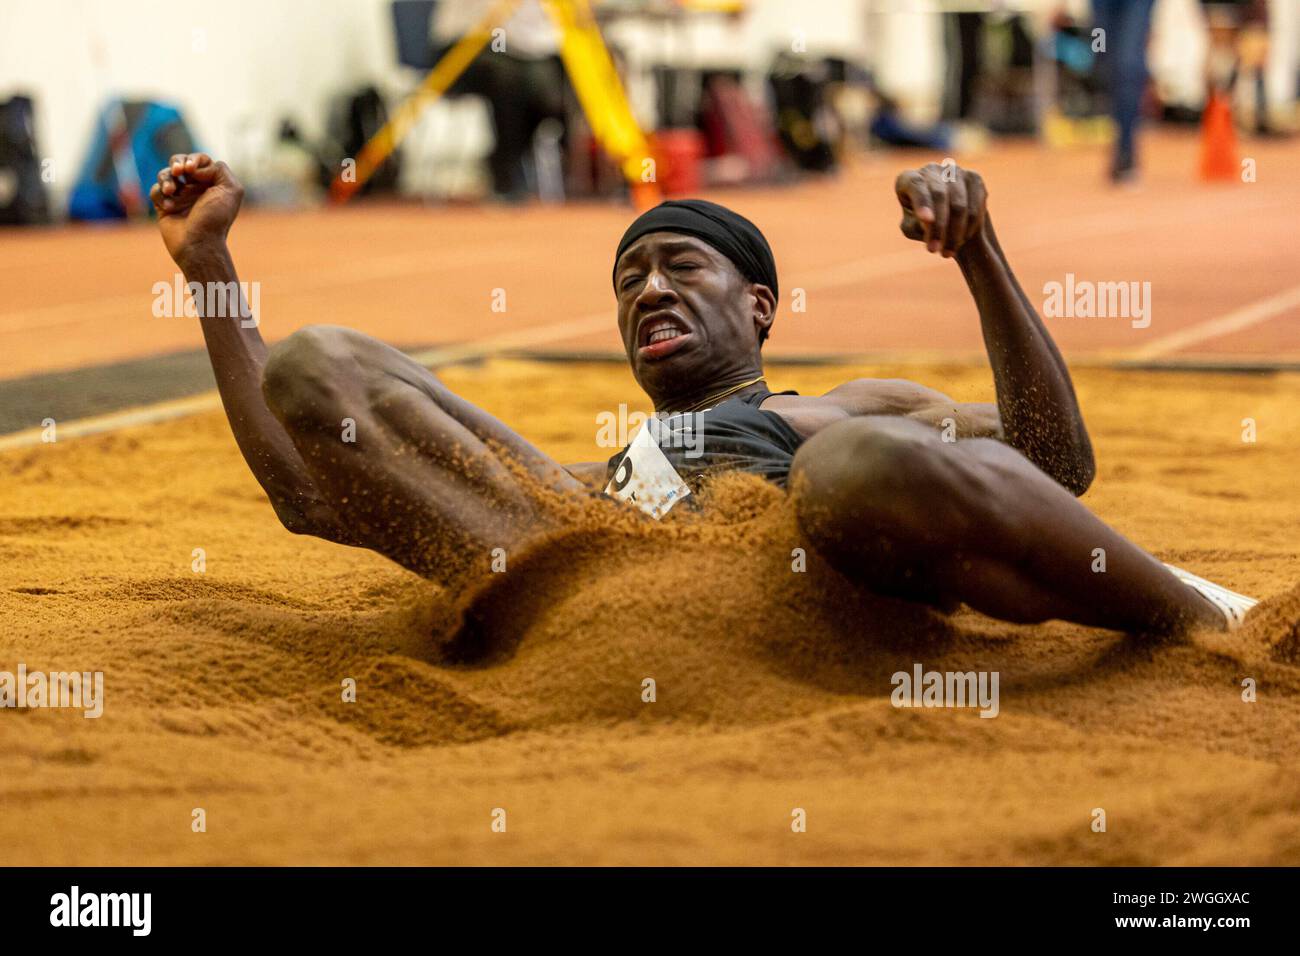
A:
x,y
893,476
868,497
309,375
864,461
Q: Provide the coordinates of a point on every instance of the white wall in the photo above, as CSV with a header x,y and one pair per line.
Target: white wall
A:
x,y
243,64
223,63
250,62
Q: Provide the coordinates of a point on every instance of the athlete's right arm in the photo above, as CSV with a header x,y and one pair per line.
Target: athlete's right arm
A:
x,y
197,201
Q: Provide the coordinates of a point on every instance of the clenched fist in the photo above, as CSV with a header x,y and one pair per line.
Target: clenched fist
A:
x,y
197,201
944,206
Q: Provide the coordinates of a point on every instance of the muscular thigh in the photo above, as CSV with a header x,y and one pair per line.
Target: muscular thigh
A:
x,y
891,505
422,475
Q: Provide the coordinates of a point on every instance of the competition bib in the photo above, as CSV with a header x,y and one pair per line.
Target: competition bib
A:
x,y
645,477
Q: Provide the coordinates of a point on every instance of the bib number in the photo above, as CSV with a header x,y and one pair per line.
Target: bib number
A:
x,y
645,477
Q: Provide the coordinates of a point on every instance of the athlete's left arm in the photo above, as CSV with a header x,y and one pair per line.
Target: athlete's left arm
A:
x,y
946,207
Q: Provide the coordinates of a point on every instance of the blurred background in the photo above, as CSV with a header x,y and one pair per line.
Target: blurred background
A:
x,y
727,92
451,176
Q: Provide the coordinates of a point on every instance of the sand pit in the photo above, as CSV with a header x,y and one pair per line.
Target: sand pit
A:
x,y
222,689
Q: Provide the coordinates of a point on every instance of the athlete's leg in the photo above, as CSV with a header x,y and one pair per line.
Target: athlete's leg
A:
x,y
416,473
890,504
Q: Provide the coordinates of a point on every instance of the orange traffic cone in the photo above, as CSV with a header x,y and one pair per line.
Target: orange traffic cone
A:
x,y
645,195
1219,159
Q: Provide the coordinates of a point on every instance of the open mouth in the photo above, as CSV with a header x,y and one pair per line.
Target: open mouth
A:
x,y
660,336
660,329
663,334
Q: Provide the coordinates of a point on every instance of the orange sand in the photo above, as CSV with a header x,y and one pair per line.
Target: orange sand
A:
x,y
223,689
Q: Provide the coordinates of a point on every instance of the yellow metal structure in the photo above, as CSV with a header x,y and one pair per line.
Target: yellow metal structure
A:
x,y
590,69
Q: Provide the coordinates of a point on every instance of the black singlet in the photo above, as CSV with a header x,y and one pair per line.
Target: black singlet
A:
x,y
735,435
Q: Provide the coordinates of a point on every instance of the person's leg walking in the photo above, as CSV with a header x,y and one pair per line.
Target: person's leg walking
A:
x,y
1105,17
510,120
1127,26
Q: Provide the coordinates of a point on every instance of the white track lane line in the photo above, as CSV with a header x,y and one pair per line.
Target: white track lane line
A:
x,y
1234,321
210,401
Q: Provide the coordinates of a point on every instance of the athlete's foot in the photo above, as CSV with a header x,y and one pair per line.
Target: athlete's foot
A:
x,y
1211,618
1220,608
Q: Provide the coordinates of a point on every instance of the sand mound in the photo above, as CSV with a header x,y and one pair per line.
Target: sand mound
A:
x,y
225,690
1275,624
725,612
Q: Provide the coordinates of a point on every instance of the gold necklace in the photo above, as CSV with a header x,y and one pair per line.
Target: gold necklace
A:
x,y
712,400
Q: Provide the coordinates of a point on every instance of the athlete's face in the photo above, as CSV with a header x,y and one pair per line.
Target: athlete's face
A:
x,y
688,318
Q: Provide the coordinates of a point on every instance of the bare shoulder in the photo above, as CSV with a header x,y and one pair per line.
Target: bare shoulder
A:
x,y
808,414
884,396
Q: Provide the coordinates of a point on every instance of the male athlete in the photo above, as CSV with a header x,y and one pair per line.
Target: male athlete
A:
x,y
881,490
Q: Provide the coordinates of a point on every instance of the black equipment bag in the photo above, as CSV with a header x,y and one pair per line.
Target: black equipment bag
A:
x,y
22,193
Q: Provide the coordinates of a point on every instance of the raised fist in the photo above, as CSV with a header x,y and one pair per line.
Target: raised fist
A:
x,y
197,201
943,206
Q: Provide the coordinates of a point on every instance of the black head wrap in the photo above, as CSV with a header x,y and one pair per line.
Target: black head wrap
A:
x,y
730,233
